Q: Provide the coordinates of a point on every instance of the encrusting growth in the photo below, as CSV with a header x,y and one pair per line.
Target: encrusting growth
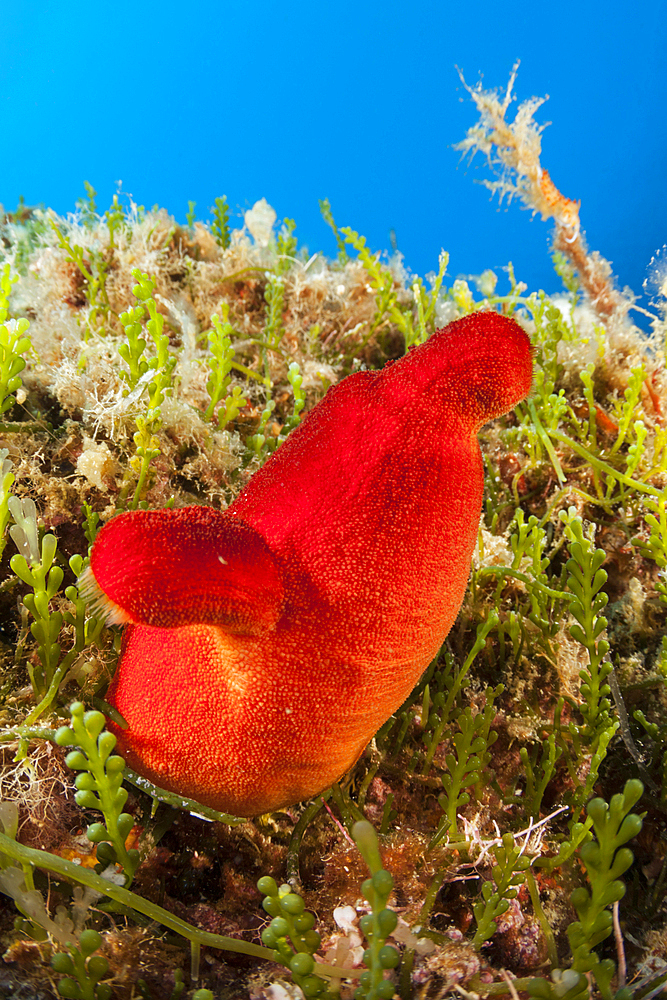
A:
x,y
267,644
513,150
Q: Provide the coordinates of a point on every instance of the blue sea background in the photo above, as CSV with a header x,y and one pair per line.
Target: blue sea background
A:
x,y
357,102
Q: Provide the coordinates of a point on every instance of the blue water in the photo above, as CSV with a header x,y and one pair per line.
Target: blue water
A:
x,y
360,103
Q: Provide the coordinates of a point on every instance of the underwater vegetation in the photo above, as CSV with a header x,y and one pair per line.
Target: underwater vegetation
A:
x,y
505,830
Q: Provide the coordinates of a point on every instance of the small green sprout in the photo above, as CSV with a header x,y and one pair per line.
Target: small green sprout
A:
x,y
88,207
605,859
274,296
462,297
132,352
274,329
626,411
452,681
291,935
528,541
231,407
13,344
295,379
585,581
115,220
465,765
220,224
425,304
636,451
220,366
508,872
17,881
287,244
487,282
550,330
83,970
99,786
90,524
155,373
586,377
147,447
379,923
538,775
162,364
26,233
655,547
190,217
258,443
7,479
34,565
380,279
87,628
327,215
417,294
93,266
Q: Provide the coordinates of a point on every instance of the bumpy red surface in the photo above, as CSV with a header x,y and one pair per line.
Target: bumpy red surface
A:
x,y
268,643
